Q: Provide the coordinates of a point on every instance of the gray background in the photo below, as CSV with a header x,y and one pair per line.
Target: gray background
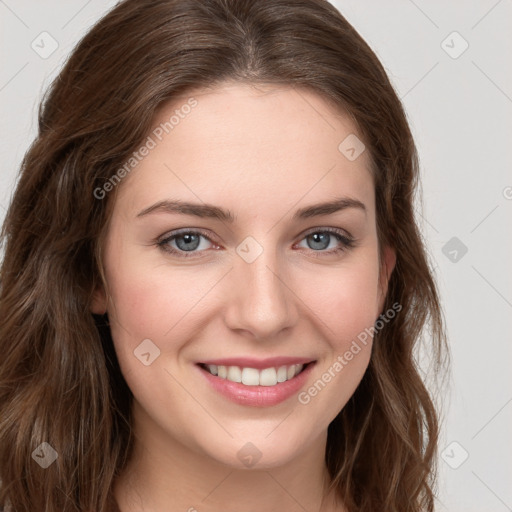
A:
x,y
459,105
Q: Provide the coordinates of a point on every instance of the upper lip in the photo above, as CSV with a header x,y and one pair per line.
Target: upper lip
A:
x,y
259,364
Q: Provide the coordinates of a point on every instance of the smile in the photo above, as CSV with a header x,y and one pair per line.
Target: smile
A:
x,y
254,377
257,383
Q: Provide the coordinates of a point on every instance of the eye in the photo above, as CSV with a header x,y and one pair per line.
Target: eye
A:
x,y
187,243
184,242
330,238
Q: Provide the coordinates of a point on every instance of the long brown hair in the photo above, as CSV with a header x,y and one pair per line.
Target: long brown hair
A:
x,y
60,382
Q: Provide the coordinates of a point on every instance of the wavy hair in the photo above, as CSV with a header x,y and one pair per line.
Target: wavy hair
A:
x,y
60,381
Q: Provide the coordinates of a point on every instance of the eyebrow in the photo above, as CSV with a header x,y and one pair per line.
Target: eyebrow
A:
x,y
214,212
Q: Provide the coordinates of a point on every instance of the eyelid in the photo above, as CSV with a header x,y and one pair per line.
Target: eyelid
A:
x,y
338,231
181,231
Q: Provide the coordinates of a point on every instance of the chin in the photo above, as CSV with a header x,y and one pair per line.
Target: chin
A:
x,y
260,451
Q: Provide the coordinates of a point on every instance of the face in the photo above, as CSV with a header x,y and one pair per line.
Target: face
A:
x,y
234,297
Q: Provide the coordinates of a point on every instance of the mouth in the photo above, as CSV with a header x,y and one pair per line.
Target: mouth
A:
x,y
248,376
254,383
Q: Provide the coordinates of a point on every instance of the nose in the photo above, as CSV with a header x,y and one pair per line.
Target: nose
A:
x,y
262,302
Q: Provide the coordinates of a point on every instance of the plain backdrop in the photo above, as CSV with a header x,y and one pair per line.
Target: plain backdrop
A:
x,y
447,61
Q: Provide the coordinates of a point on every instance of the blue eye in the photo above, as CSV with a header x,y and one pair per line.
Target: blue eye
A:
x,y
185,241
188,243
320,240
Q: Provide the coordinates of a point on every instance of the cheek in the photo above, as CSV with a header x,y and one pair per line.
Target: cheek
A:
x,y
345,303
151,302
346,300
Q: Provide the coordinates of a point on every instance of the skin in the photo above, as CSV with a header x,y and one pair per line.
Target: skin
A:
x,y
261,153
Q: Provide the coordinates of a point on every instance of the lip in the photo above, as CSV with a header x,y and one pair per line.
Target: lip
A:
x,y
257,396
259,364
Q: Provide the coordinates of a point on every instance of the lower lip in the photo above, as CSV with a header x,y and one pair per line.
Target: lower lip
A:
x,y
258,396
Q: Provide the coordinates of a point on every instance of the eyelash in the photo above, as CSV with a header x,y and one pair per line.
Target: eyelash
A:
x,y
347,242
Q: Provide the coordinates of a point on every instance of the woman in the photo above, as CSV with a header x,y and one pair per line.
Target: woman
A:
x,y
213,282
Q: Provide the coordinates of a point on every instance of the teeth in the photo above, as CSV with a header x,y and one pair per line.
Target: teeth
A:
x,y
282,374
234,374
268,377
250,377
254,377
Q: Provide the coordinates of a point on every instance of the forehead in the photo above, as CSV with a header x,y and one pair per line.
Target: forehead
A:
x,y
252,146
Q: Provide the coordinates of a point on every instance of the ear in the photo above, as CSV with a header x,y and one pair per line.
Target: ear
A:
x,y
387,266
99,301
